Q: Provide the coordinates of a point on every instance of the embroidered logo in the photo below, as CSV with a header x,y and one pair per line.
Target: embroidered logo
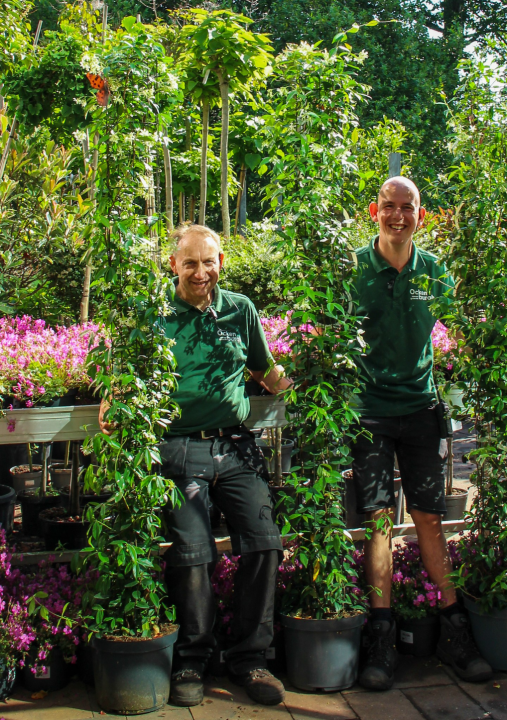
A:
x,y
227,335
417,294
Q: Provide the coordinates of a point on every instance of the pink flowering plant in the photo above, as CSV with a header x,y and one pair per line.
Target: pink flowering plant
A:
x,y
281,335
39,611
413,594
39,363
445,353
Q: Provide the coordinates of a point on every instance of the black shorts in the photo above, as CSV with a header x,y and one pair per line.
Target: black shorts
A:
x,y
421,454
233,475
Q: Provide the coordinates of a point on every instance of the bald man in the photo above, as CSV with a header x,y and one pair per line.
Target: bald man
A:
x,y
398,412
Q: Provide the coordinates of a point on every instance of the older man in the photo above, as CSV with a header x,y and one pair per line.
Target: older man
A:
x,y
211,455
399,414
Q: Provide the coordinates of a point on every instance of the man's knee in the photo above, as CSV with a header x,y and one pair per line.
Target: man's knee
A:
x,y
425,519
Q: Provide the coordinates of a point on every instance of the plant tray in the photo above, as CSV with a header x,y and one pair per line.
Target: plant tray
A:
x,y
48,424
266,411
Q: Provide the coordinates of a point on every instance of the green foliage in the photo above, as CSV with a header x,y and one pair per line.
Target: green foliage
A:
x,y
42,230
15,41
310,139
476,252
48,89
133,368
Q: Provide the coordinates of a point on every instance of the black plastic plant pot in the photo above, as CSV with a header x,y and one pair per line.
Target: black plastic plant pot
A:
x,y
322,654
132,676
7,680
52,674
7,501
59,527
418,637
490,633
31,506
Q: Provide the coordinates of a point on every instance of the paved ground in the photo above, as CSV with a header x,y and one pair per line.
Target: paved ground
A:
x,y
424,690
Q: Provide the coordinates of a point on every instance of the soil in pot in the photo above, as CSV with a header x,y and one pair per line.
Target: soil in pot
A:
x,y
418,637
24,479
84,499
32,504
456,504
322,654
490,633
60,528
54,674
7,501
132,675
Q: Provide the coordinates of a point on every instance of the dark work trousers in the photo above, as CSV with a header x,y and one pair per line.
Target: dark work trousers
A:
x,y
230,473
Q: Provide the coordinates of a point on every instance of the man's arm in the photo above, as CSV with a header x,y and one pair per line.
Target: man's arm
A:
x,y
274,382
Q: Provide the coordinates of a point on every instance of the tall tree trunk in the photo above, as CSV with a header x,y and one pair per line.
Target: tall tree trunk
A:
x,y
182,207
169,202
150,212
241,190
85,296
191,209
224,148
204,162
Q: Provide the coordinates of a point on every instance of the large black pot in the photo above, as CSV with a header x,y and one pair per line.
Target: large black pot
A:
x,y
84,499
7,500
64,530
418,637
57,673
31,506
322,654
132,677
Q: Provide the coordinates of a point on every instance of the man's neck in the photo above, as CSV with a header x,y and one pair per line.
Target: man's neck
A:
x,y
199,303
398,256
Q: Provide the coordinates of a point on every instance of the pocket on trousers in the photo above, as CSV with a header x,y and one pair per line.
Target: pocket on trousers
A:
x,y
173,453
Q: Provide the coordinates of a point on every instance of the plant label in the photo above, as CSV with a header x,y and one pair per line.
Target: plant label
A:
x,y
407,637
29,483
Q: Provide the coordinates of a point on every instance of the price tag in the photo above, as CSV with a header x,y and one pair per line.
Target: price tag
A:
x,y
407,637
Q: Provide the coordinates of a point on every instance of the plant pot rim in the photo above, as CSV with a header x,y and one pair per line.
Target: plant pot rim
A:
x,y
327,625
459,494
475,608
6,491
63,520
31,496
26,472
135,646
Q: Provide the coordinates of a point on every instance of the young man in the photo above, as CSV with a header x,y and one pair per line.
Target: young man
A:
x,y
397,409
211,455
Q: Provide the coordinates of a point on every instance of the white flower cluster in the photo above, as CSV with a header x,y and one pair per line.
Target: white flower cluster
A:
x,y
91,63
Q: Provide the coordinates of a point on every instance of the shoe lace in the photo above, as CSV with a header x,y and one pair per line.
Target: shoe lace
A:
x,y
259,673
379,650
187,674
464,645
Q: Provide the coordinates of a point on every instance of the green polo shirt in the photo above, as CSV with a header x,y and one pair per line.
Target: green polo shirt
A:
x,y
211,355
397,367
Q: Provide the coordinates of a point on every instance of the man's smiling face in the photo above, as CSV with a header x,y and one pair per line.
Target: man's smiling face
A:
x,y
398,211
197,262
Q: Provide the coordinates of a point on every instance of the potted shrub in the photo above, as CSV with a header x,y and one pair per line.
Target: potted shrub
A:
x,y
476,257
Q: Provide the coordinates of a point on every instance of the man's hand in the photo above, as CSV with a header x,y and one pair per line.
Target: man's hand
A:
x,y
274,382
105,427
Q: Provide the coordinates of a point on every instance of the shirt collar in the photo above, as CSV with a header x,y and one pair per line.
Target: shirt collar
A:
x,y
416,261
182,306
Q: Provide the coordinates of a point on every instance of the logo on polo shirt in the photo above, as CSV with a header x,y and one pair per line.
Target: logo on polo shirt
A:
x,y
227,335
417,294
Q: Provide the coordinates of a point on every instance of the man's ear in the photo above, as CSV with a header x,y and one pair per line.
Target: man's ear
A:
x,y
172,260
422,213
373,208
221,259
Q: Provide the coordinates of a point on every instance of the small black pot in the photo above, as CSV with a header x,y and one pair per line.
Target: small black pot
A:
x,y
7,501
31,506
62,529
7,680
132,677
418,637
83,499
57,675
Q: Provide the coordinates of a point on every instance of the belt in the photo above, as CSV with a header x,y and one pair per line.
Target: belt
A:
x,y
218,432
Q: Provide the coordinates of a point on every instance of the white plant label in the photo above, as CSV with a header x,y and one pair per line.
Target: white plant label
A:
x,y
407,637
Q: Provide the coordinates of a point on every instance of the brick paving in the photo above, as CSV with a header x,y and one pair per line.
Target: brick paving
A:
x,y
424,688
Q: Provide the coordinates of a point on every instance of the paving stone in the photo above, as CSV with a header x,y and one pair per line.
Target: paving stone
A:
x,y
447,702
71,703
169,712
320,706
420,672
225,701
390,705
491,695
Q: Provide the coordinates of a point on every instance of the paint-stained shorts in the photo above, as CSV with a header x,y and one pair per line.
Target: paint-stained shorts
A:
x,y
232,475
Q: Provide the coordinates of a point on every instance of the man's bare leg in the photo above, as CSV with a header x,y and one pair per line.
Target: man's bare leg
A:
x,y
434,553
378,557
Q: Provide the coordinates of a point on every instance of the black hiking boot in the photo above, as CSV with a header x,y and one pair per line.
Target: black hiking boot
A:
x,y
382,657
187,688
261,686
457,648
